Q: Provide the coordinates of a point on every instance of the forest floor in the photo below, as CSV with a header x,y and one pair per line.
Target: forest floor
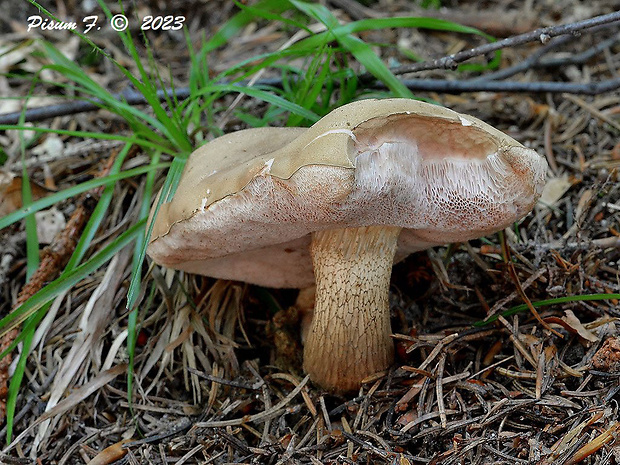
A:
x,y
478,379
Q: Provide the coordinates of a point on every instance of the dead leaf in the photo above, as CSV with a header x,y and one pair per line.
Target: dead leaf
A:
x,y
554,190
110,454
11,192
73,399
607,358
574,323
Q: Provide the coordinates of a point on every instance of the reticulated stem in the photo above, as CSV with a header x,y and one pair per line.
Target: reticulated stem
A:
x,y
350,334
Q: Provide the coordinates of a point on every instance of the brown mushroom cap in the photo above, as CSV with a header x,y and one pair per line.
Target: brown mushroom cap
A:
x,y
248,202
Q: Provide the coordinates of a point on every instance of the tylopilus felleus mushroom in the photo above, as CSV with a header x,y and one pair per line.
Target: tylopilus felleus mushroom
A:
x,y
335,205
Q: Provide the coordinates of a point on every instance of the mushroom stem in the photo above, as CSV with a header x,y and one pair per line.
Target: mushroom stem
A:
x,y
350,334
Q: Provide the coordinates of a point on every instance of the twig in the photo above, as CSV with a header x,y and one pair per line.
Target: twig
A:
x,y
542,34
455,87
425,85
531,61
130,96
535,59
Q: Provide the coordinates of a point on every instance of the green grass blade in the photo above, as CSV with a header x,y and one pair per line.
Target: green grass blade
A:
x,y
138,120
148,89
357,47
316,77
409,22
172,181
90,135
32,240
373,64
75,190
232,27
27,334
69,280
98,214
265,96
544,303
264,13
136,274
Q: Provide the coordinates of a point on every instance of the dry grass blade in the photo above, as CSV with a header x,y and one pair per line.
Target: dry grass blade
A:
x,y
190,454
54,258
545,371
439,389
514,338
71,401
437,350
97,314
598,114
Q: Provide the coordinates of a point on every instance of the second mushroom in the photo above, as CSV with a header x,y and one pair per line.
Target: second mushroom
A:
x,y
335,205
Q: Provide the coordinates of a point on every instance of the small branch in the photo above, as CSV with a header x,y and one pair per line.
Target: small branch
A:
x,y
426,85
535,61
542,34
455,87
132,97
530,62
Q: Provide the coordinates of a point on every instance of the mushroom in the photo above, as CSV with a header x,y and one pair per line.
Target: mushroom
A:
x,y
335,205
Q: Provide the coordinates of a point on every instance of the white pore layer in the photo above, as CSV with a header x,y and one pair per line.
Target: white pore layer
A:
x,y
451,194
